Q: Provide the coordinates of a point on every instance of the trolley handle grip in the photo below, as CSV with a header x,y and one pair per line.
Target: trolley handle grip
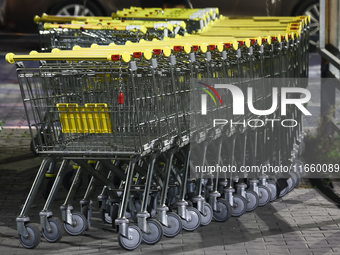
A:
x,y
63,19
11,58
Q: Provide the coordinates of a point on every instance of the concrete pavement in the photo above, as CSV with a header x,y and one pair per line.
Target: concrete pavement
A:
x,y
302,222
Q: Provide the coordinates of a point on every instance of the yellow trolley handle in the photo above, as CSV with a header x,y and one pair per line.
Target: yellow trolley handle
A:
x,y
64,19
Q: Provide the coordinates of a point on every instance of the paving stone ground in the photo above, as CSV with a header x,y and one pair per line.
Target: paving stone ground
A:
x,y
302,222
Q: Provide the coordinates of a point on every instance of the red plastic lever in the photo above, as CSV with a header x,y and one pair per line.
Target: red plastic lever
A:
x,y
120,98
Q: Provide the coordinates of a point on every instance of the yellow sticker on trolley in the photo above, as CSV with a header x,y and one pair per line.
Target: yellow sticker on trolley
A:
x,y
93,118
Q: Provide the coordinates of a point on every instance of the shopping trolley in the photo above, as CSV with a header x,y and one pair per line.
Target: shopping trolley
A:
x,y
79,125
196,19
126,107
156,29
65,36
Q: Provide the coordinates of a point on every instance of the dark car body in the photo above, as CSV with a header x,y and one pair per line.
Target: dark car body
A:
x,y
18,14
251,8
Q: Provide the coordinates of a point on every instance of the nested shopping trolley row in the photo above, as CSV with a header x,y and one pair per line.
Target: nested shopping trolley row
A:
x,y
131,117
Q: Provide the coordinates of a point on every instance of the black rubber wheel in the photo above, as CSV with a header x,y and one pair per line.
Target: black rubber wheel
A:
x,y
46,187
195,221
252,200
33,238
291,183
137,209
79,227
114,210
239,205
207,218
296,179
85,210
312,8
156,232
273,190
175,225
105,216
264,195
224,210
75,8
131,243
57,231
299,168
283,192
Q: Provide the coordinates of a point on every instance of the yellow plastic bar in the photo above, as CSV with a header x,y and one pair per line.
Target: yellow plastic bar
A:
x,y
124,55
69,117
138,49
183,42
63,19
12,58
93,118
146,23
265,18
209,10
48,26
155,13
125,52
98,118
256,20
225,24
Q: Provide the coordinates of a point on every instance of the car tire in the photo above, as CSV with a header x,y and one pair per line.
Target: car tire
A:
x,y
312,8
75,8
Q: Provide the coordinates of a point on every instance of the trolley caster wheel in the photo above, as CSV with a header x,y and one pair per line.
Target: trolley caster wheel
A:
x,y
134,241
299,167
176,225
283,192
86,212
105,216
114,210
46,187
224,210
291,183
252,200
195,221
57,231
206,219
79,227
264,195
273,190
137,210
239,207
156,232
296,179
152,212
33,239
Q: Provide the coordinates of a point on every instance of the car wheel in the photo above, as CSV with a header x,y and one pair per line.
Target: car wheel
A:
x,y
311,8
76,8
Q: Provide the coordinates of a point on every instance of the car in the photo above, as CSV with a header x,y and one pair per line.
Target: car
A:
x,y
18,14
269,8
